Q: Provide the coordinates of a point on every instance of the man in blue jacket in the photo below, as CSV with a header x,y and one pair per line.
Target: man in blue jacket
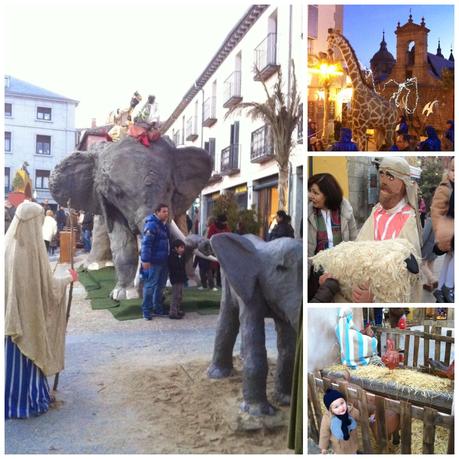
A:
x,y
154,255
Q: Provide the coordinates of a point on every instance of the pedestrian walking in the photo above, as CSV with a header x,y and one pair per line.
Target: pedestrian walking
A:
x,y
49,229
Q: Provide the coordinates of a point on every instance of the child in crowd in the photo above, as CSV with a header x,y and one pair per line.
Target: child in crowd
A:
x,y
177,276
338,425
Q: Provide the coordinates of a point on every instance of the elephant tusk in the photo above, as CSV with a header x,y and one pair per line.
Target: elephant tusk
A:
x,y
176,232
198,253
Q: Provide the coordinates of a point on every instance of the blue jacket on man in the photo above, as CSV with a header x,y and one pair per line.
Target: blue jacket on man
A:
x,y
155,241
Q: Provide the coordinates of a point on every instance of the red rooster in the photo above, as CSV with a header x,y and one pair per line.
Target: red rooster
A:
x,y
391,358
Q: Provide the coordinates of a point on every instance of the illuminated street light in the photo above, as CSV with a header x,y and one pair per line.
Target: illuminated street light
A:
x,y
326,71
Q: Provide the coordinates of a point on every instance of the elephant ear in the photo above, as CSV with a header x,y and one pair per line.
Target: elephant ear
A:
x,y
73,179
239,259
192,170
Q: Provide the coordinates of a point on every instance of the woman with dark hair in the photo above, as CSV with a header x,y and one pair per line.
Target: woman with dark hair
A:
x,y
283,227
330,215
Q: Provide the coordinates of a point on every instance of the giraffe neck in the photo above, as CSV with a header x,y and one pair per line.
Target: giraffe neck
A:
x,y
351,62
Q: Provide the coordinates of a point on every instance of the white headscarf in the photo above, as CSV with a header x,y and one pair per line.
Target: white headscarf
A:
x,y
34,300
400,169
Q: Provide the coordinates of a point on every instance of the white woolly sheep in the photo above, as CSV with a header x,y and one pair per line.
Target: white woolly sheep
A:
x,y
389,267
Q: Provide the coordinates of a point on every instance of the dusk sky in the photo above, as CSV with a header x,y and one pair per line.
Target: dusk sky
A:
x,y
364,24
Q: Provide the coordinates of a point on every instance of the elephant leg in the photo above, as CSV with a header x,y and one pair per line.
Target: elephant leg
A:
x,y
286,343
100,255
252,318
226,334
125,258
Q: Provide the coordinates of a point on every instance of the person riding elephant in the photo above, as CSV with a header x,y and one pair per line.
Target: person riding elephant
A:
x,y
124,182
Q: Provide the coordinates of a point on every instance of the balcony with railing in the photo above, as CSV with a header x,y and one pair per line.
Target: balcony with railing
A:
x,y
210,112
232,91
265,58
191,130
229,164
177,137
261,148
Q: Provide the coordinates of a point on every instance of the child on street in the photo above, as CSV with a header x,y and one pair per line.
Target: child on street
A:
x,y
177,276
339,426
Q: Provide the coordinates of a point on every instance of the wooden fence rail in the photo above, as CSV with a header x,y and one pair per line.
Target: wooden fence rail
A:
x,y
413,338
430,417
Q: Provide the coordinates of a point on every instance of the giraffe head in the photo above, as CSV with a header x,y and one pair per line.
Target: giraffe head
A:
x,y
333,38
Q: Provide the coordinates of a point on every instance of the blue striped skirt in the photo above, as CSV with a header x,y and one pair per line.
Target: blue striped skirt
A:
x,y
26,387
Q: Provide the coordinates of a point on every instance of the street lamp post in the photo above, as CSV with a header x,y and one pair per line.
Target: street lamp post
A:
x,y
327,71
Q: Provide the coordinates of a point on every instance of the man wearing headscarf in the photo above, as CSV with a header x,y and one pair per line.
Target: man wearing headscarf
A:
x,y
396,215
35,315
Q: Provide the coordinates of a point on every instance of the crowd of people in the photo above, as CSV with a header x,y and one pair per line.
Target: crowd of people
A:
x,y
160,262
403,140
400,213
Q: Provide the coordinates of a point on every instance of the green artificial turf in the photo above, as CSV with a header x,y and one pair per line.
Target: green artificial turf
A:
x,y
99,284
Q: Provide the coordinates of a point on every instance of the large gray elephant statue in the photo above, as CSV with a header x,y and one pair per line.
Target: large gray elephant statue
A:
x,y
124,182
259,279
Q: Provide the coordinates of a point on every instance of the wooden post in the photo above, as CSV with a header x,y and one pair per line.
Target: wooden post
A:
x,y
406,351
312,394
426,346
381,441
448,349
312,428
364,421
416,351
405,427
450,449
437,350
429,431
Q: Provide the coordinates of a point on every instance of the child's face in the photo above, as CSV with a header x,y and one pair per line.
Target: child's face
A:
x,y
451,170
180,249
338,407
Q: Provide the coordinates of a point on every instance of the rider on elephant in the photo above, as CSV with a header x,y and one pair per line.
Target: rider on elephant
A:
x,y
145,127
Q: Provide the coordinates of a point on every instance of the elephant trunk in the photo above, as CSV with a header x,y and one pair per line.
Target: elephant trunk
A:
x,y
177,234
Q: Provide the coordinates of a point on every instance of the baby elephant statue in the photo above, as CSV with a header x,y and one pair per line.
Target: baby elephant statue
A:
x,y
259,279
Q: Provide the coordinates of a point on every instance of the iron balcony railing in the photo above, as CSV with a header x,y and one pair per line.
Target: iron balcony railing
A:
x,y
232,86
210,108
266,52
230,159
261,147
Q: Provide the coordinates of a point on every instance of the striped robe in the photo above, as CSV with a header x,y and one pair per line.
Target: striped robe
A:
x,y
26,387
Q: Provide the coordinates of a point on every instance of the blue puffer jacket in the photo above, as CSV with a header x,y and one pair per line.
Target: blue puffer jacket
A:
x,y
155,241
344,143
432,143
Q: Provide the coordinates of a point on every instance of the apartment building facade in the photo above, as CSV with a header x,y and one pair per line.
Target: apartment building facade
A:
x,y
268,37
39,129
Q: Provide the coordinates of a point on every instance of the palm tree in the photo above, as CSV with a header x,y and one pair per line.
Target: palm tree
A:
x,y
281,113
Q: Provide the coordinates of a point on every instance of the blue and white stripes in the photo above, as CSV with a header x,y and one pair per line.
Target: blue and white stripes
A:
x,y
356,349
26,387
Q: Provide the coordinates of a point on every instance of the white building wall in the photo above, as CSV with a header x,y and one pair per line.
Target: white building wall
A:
x,y
289,46
24,127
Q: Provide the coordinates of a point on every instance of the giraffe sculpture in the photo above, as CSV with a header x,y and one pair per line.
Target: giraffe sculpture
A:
x,y
369,110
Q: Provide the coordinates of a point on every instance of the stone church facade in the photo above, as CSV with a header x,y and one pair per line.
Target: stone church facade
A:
x,y
434,74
